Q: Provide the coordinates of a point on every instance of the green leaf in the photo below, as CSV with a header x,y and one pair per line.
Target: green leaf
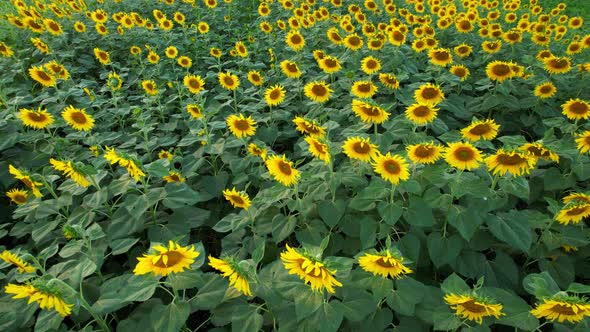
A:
x,y
170,318
465,219
540,285
331,212
419,213
211,293
356,305
329,317
179,195
282,227
122,246
186,280
444,320
407,294
454,284
119,291
390,212
246,323
516,310
306,303
258,252
578,288
518,187
48,320
158,168
443,250
512,230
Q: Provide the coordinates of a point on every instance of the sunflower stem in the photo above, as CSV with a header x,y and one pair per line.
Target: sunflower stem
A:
x,y
375,129
494,182
235,101
391,193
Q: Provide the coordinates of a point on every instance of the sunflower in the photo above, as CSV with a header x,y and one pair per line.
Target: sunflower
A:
x,y
203,27
384,264
486,130
318,91
196,111
389,81
171,52
257,151
363,89
164,261
491,47
307,127
39,74
396,37
68,169
421,114
150,87
241,126
334,36
17,196
10,258
440,56
57,70
232,270
53,27
184,61
114,81
576,109
515,163
562,308
583,141
473,308
265,27
78,118
359,148
237,199
424,153
135,50
557,65
573,214
391,168
113,157
429,94
274,95
26,180
282,170
538,151
499,70
312,271
255,78
370,65
329,64
295,40
353,42
578,198
575,22
290,69
102,56
38,119
369,113
47,298
463,156
6,51
463,50
194,83
173,177
228,81
460,71
38,43
241,49
153,57
318,149
545,90
163,154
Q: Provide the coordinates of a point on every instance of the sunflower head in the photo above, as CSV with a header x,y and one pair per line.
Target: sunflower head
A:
x,y
421,114
424,153
241,126
392,168
385,264
311,270
166,260
368,112
274,95
486,130
78,118
282,170
473,307
238,278
228,81
576,109
462,156
318,91
561,308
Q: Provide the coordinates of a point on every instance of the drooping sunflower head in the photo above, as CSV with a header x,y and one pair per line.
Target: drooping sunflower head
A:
x,y
562,308
70,170
308,127
241,126
174,177
576,198
392,168
258,151
576,109
318,149
486,130
514,162
421,114
368,112
389,80
462,156
538,151
385,264
282,170
237,198
10,258
573,213
274,95
228,81
78,118
318,91
47,297
166,260
424,153
312,271
231,269
472,307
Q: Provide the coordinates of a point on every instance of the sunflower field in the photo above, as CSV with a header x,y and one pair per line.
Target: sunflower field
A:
x,y
294,165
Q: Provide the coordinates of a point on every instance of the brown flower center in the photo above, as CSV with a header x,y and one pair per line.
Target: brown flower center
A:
x,y
385,262
422,111
330,63
43,75
364,87
429,93
291,67
354,41
578,108
501,70
319,90
480,129
464,154
19,199
284,167
242,124
371,64
577,210
78,117
510,160
361,147
53,26
194,83
397,36
558,63
275,94
236,199
441,55
228,80
174,257
473,307
391,167
37,117
296,39
423,151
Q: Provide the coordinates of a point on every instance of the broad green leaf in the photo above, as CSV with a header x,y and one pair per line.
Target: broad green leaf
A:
x,y
331,212
390,212
171,317
443,250
540,285
419,213
578,288
465,219
211,293
119,291
179,195
512,230
306,303
282,227
356,305
454,284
